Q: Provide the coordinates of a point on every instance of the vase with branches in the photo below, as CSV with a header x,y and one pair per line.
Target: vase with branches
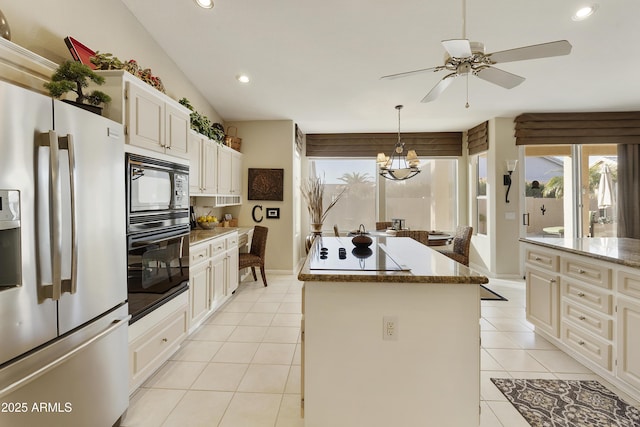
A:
x,y
313,193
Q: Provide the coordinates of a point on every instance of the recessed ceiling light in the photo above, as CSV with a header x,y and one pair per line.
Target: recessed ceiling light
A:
x,y
243,78
585,12
205,4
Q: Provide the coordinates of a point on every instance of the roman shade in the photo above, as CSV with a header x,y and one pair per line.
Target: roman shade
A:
x,y
426,144
478,138
578,128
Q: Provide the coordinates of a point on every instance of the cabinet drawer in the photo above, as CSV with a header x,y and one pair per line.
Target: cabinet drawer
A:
x,y
590,320
589,296
232,241
217,246
157,344
593,348
243,239
628,283
586,271
198,254
540,259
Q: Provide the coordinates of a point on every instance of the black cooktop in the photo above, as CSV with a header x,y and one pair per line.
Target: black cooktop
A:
x,y
338,253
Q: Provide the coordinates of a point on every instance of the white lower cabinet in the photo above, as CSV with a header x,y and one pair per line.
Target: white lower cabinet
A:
x,y
155,337
543,300
599,311
628,325
213,276
199,300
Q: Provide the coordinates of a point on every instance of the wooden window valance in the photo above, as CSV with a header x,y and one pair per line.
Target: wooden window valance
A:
x,y
578,128
478,138
426,144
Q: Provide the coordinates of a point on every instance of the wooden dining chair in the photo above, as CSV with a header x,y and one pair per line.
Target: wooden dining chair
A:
x,y
383,225
461,245
255,257
421,236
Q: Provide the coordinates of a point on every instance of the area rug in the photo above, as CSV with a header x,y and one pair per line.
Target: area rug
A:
x,y
567,403
487,294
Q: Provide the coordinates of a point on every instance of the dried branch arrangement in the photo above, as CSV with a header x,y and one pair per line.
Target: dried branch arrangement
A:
x,y
313,191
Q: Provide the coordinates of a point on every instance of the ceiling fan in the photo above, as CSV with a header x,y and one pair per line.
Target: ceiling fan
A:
x,y
465,57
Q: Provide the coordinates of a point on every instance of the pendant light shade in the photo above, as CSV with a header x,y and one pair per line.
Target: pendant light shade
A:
x,y
398,166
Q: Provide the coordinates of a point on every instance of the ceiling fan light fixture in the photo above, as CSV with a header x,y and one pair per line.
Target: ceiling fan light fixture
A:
x,y
585,12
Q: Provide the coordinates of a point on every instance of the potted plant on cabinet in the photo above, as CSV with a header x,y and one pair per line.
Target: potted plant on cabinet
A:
x,y
75,76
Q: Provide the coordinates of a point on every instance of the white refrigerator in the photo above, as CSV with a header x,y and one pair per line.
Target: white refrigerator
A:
x,y
63,283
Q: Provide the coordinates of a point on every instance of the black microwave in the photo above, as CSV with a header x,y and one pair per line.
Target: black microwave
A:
x,y
157,193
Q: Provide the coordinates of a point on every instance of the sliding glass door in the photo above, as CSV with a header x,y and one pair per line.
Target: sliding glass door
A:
x,y
570,190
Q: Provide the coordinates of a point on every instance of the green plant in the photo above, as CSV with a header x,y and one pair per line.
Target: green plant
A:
x,y
202,124
75,76
106,61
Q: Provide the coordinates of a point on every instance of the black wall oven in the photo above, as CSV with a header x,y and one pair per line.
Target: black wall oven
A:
x,y
157,233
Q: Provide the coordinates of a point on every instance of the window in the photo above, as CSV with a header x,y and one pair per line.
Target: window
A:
x,y
481,194
571,190
358,204
427,201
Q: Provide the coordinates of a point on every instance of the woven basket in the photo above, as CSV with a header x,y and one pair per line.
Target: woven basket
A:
x,y
232,140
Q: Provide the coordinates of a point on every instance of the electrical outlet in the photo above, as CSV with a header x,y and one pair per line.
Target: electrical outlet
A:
x,y
390,328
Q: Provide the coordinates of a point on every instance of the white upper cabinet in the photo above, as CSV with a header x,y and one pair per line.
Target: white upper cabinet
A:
x,y
152,120
224,170
203,155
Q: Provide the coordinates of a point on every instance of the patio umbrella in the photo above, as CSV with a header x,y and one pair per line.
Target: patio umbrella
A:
x,y
605,189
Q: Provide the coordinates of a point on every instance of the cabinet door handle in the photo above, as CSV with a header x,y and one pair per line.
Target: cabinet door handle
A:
x,y
201,256
581,271
581,294
581,342
164,340
552,280
538,258
581,317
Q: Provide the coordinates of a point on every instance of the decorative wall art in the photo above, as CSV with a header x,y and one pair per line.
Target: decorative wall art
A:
x,y
273,213
266,184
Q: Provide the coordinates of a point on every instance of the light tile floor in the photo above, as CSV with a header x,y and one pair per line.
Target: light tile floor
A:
x,y
242,367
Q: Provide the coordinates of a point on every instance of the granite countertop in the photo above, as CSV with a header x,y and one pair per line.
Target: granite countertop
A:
x,y
392,259
198,235
618,250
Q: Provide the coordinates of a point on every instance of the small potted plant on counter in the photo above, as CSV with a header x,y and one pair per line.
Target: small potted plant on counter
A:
x,y
75,76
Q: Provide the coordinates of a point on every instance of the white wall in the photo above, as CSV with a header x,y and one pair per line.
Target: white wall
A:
x,y
102,25
497,253
270,144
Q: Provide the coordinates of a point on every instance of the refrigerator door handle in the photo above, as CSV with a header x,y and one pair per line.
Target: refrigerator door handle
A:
x,y
118,323
53,290
70,284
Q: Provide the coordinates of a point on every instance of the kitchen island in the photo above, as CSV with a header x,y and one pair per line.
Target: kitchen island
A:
x,y
390,336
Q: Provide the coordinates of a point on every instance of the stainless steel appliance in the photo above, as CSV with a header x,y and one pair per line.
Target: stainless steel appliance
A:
x,y
158,268
63,297
157,193
158,226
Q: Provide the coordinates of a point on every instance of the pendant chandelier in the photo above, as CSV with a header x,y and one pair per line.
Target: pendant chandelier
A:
x,y
398,167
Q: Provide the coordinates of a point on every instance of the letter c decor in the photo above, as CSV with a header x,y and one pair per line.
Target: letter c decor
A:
x,y
253,213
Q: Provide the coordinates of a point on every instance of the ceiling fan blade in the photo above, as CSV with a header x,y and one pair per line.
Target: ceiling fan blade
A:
x,y
410,73
457,48
439,88
499,77
544,50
